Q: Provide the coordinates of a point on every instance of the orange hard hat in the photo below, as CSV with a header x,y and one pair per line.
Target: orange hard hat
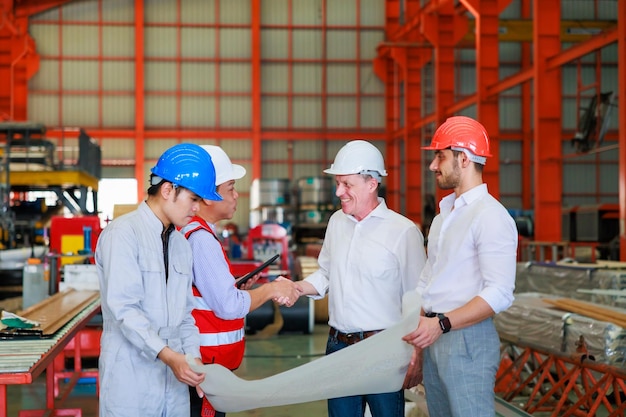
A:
x,y
462,132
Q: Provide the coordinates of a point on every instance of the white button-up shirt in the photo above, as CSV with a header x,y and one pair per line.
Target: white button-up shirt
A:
x,y
472,251
366,267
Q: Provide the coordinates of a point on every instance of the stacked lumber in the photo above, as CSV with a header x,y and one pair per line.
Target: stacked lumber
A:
x,y
589,309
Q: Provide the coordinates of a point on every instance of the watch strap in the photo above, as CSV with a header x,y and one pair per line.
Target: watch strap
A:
x,y
444,323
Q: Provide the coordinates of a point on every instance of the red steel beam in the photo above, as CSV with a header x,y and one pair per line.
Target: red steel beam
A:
x,y
245,134
548,179
27,8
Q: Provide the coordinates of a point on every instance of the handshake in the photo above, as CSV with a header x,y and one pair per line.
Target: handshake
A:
x,y
282,290
286,291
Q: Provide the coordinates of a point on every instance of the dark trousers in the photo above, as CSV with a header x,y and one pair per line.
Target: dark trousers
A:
x,y
389,404
196,404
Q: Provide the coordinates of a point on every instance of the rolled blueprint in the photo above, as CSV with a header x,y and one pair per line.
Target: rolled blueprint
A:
x,y
375,365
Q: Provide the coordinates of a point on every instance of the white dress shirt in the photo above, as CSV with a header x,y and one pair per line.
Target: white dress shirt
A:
x,y
472,251
366,267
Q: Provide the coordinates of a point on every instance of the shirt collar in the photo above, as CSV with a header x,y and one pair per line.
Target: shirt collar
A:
x,y
380,210
465,199
199,219
153,220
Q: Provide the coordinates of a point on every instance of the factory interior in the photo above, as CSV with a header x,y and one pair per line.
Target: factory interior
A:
x,y
92,92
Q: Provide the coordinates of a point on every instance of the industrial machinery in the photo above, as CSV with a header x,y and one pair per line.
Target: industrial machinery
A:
x,y
263,242
594,122
39,178
42,181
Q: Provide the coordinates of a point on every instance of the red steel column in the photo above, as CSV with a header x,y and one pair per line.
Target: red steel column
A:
x,y
621,108
443,29
18,62
139,101
526,123
256,88
547,94
486,13
386,68
393,137
416,59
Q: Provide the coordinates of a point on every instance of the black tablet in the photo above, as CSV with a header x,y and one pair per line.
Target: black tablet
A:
x,y
242,280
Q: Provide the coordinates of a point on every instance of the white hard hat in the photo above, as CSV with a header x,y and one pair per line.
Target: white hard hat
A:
x,y
225,170
357,157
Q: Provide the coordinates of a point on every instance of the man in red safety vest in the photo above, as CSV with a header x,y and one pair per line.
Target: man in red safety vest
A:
x,y
220,307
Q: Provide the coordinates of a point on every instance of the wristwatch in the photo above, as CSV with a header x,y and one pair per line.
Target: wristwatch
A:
x,y
444,323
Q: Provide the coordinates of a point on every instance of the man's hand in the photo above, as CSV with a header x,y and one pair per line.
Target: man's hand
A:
x,y
250,283
285,291
427,333
177,362
414,374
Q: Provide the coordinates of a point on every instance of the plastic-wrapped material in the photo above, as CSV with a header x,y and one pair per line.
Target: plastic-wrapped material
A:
x,y
535,322
532,321
566,280
605,341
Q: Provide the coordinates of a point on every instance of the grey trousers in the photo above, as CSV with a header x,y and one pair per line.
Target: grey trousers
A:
x,y
460,371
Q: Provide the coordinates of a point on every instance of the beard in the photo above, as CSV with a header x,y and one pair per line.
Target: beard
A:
x,y
452,180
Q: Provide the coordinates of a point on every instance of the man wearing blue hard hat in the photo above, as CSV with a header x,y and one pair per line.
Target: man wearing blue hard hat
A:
x,y
145,274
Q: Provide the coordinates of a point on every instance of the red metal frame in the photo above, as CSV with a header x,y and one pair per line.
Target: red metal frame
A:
x,y
430,20
559,384
442,23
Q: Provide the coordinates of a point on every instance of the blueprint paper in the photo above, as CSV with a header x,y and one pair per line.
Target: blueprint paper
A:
x,y
375,365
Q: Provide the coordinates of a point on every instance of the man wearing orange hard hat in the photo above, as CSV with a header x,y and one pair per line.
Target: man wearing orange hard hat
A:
x,y
468,278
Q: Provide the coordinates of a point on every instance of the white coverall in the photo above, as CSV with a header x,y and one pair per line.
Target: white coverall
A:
x,y
142,315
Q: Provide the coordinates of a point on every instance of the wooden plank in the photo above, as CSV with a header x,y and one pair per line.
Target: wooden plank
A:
x,y
588,309
56,311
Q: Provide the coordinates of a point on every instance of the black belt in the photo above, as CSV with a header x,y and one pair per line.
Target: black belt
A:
x,y
351,338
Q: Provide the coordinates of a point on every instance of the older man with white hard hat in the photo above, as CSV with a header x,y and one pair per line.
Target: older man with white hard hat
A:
x,y
220,306
371,256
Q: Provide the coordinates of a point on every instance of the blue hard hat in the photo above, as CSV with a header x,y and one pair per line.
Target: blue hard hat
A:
x,y
188,165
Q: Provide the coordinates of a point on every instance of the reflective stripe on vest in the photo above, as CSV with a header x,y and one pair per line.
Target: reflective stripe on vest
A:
x,y
223,338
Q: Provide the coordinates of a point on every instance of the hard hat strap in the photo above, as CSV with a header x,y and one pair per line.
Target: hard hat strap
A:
x,y
373,174
155,179
470,155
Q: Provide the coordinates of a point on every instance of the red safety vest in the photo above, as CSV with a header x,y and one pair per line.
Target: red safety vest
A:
x,y
221,341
